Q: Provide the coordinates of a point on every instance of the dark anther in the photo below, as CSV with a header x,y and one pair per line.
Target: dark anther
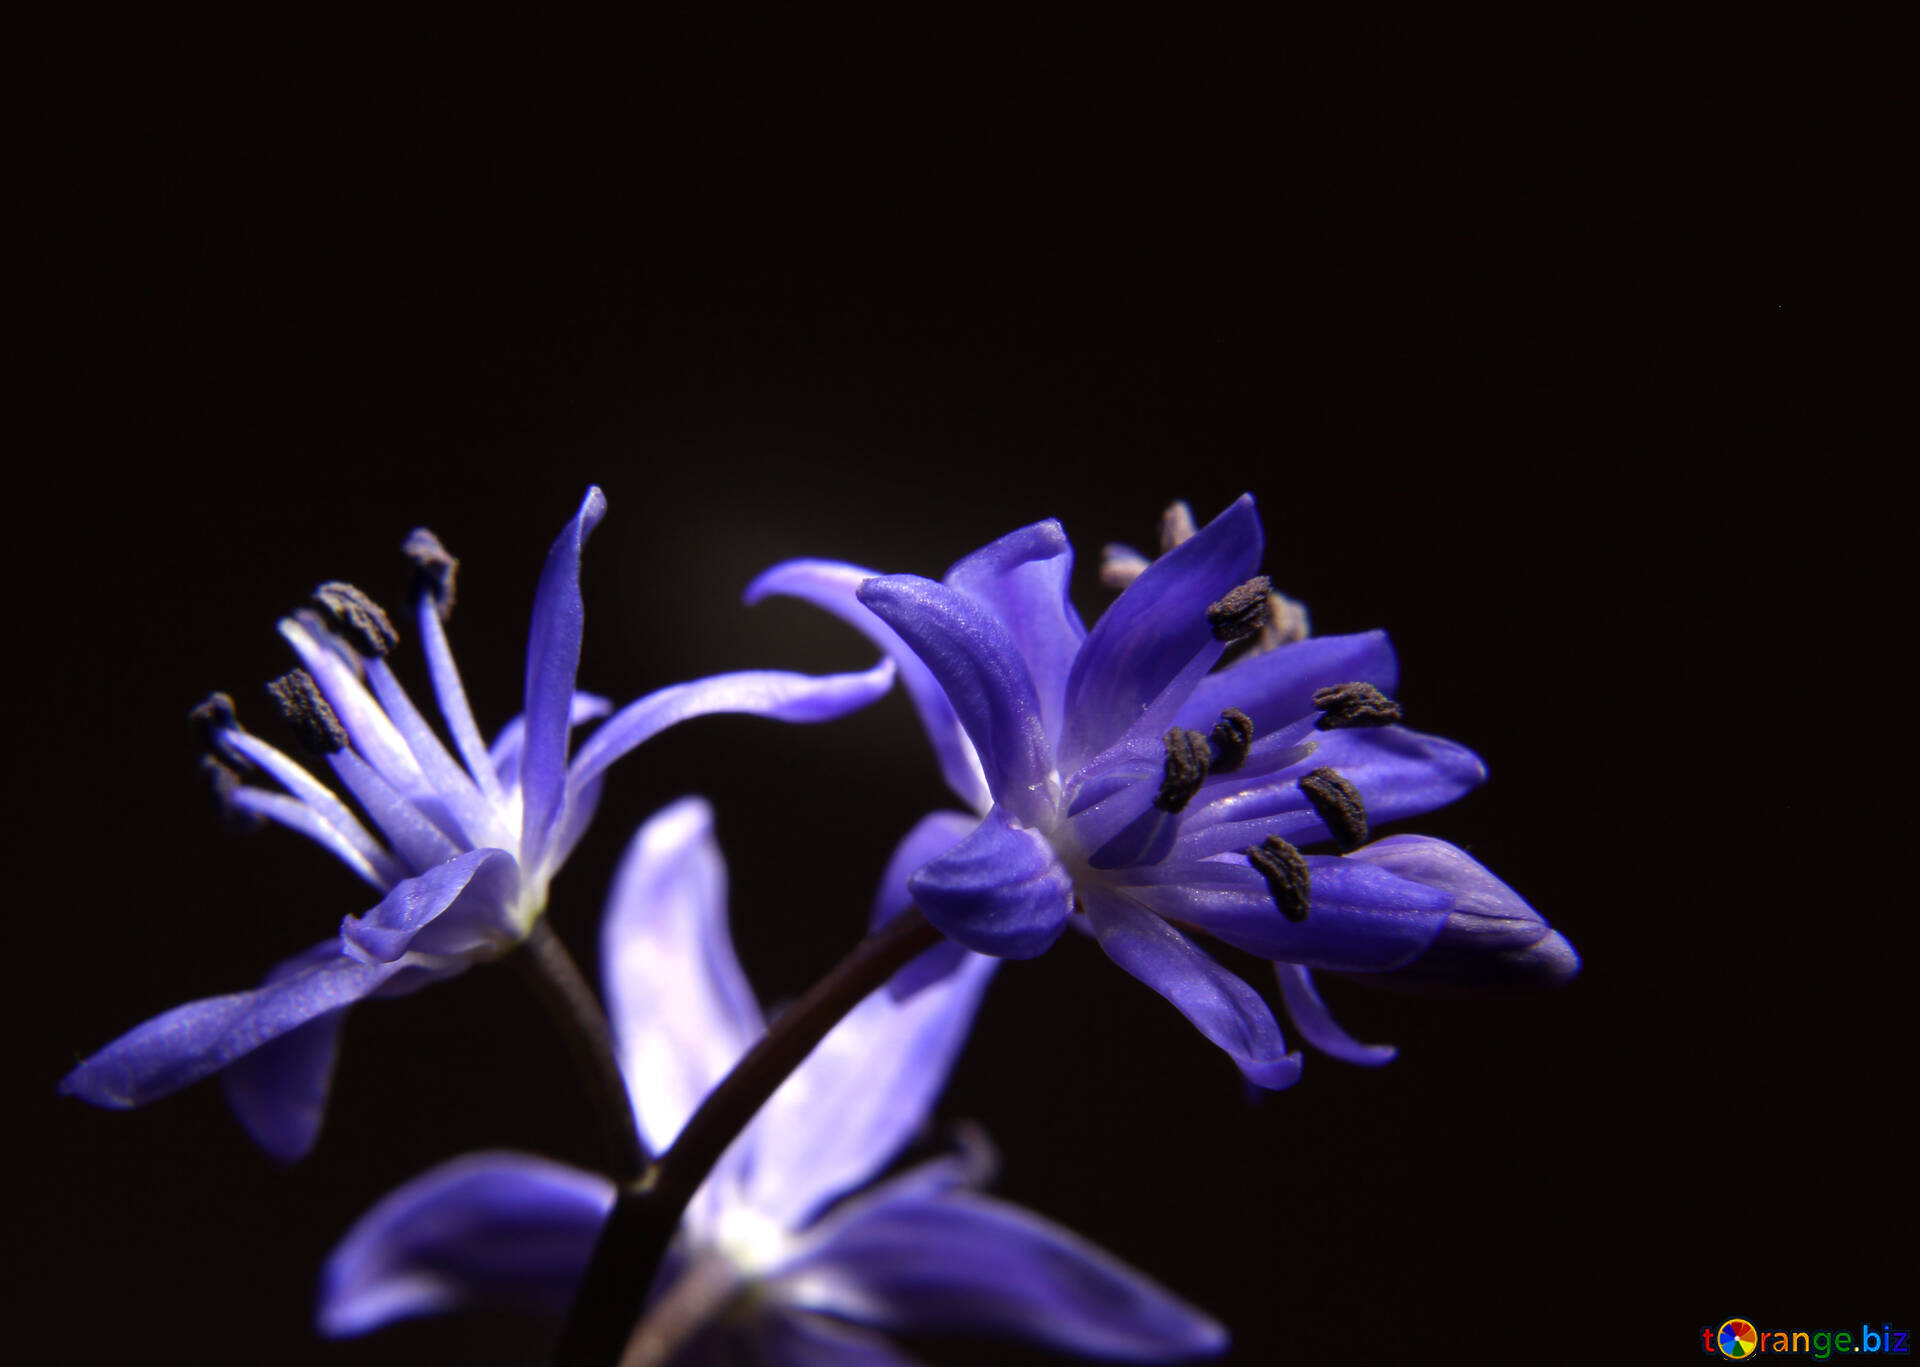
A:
x,y
359,618
1242,612
224,783
433,568
1355,704
301,704
1232,737
1339,805
1287,875
1187,761
214,720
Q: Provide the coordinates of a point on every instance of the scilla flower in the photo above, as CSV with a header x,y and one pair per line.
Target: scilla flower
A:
x,y
794,1257
461,849
1125,784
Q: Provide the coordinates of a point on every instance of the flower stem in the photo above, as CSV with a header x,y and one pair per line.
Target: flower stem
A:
x,y
648,1211
544,962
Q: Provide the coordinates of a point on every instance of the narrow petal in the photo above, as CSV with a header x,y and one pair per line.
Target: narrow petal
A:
x,y
931,837
789,1338
194,1041
504,756
1023,579
861,1095
553,660
1277,686
487,1229
681,1008
966,1262
1362,919
456,909
760,693
1154,630
1316,1024
279,1091
834,587
1221,1007
1000,891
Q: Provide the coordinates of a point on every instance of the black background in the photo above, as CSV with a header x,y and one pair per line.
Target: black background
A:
x,y
1569,349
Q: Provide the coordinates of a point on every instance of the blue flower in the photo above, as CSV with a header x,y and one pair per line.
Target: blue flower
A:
x,y
803,1259
1125,784
462,850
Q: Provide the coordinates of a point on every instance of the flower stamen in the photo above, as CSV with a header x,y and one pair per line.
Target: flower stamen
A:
x,y
1241,612
358,618
1287,875
308,713
1232,737
1339,804
1354,704
1186,769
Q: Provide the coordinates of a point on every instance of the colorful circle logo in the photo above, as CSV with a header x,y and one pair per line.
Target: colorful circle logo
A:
x,y
1738,1339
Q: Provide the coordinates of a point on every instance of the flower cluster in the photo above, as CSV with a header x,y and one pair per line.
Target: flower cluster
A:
x,y
1152,781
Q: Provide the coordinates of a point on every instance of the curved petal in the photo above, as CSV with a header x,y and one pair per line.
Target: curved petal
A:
x,y
1023,580
190,1042
456,909
1221,1007
861,1094
931,837
757,692
1398,774
1361,919
279,1092
1154,630
962,1261
504,756
834,587
1277,686
985,677
553,661
485,1229
1316,1024
1000,891
681,1008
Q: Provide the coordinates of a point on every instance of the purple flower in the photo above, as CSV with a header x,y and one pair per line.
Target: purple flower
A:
x,y
1125,784
460,849
802,1258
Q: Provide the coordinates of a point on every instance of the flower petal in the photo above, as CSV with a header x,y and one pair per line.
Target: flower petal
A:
x,y
456,909
860,1095
1362,919
1221,1007
1277,686
504,755
834,587
1023,580
787,1338
279,1092
553,661
985,677
967,1262
190,1042
1000,891
760,693
486,1229
1154,630
681,1008
931,837
1316,1024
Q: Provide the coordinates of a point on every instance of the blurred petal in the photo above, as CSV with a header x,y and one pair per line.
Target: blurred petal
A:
x,y
792,1338
1221,1007
1153,631
193,1041
1023,579
457,908
1277,686
985,677
1000,891
490,1229
553,661
1316,1024
681,1008
834,587
861,1094
966,1262
933,836
758,692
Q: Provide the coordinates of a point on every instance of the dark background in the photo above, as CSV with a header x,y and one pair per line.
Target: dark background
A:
x,y
1572,350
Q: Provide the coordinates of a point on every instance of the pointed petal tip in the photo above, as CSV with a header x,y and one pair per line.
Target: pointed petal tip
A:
x,y
1275,1076
593,507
